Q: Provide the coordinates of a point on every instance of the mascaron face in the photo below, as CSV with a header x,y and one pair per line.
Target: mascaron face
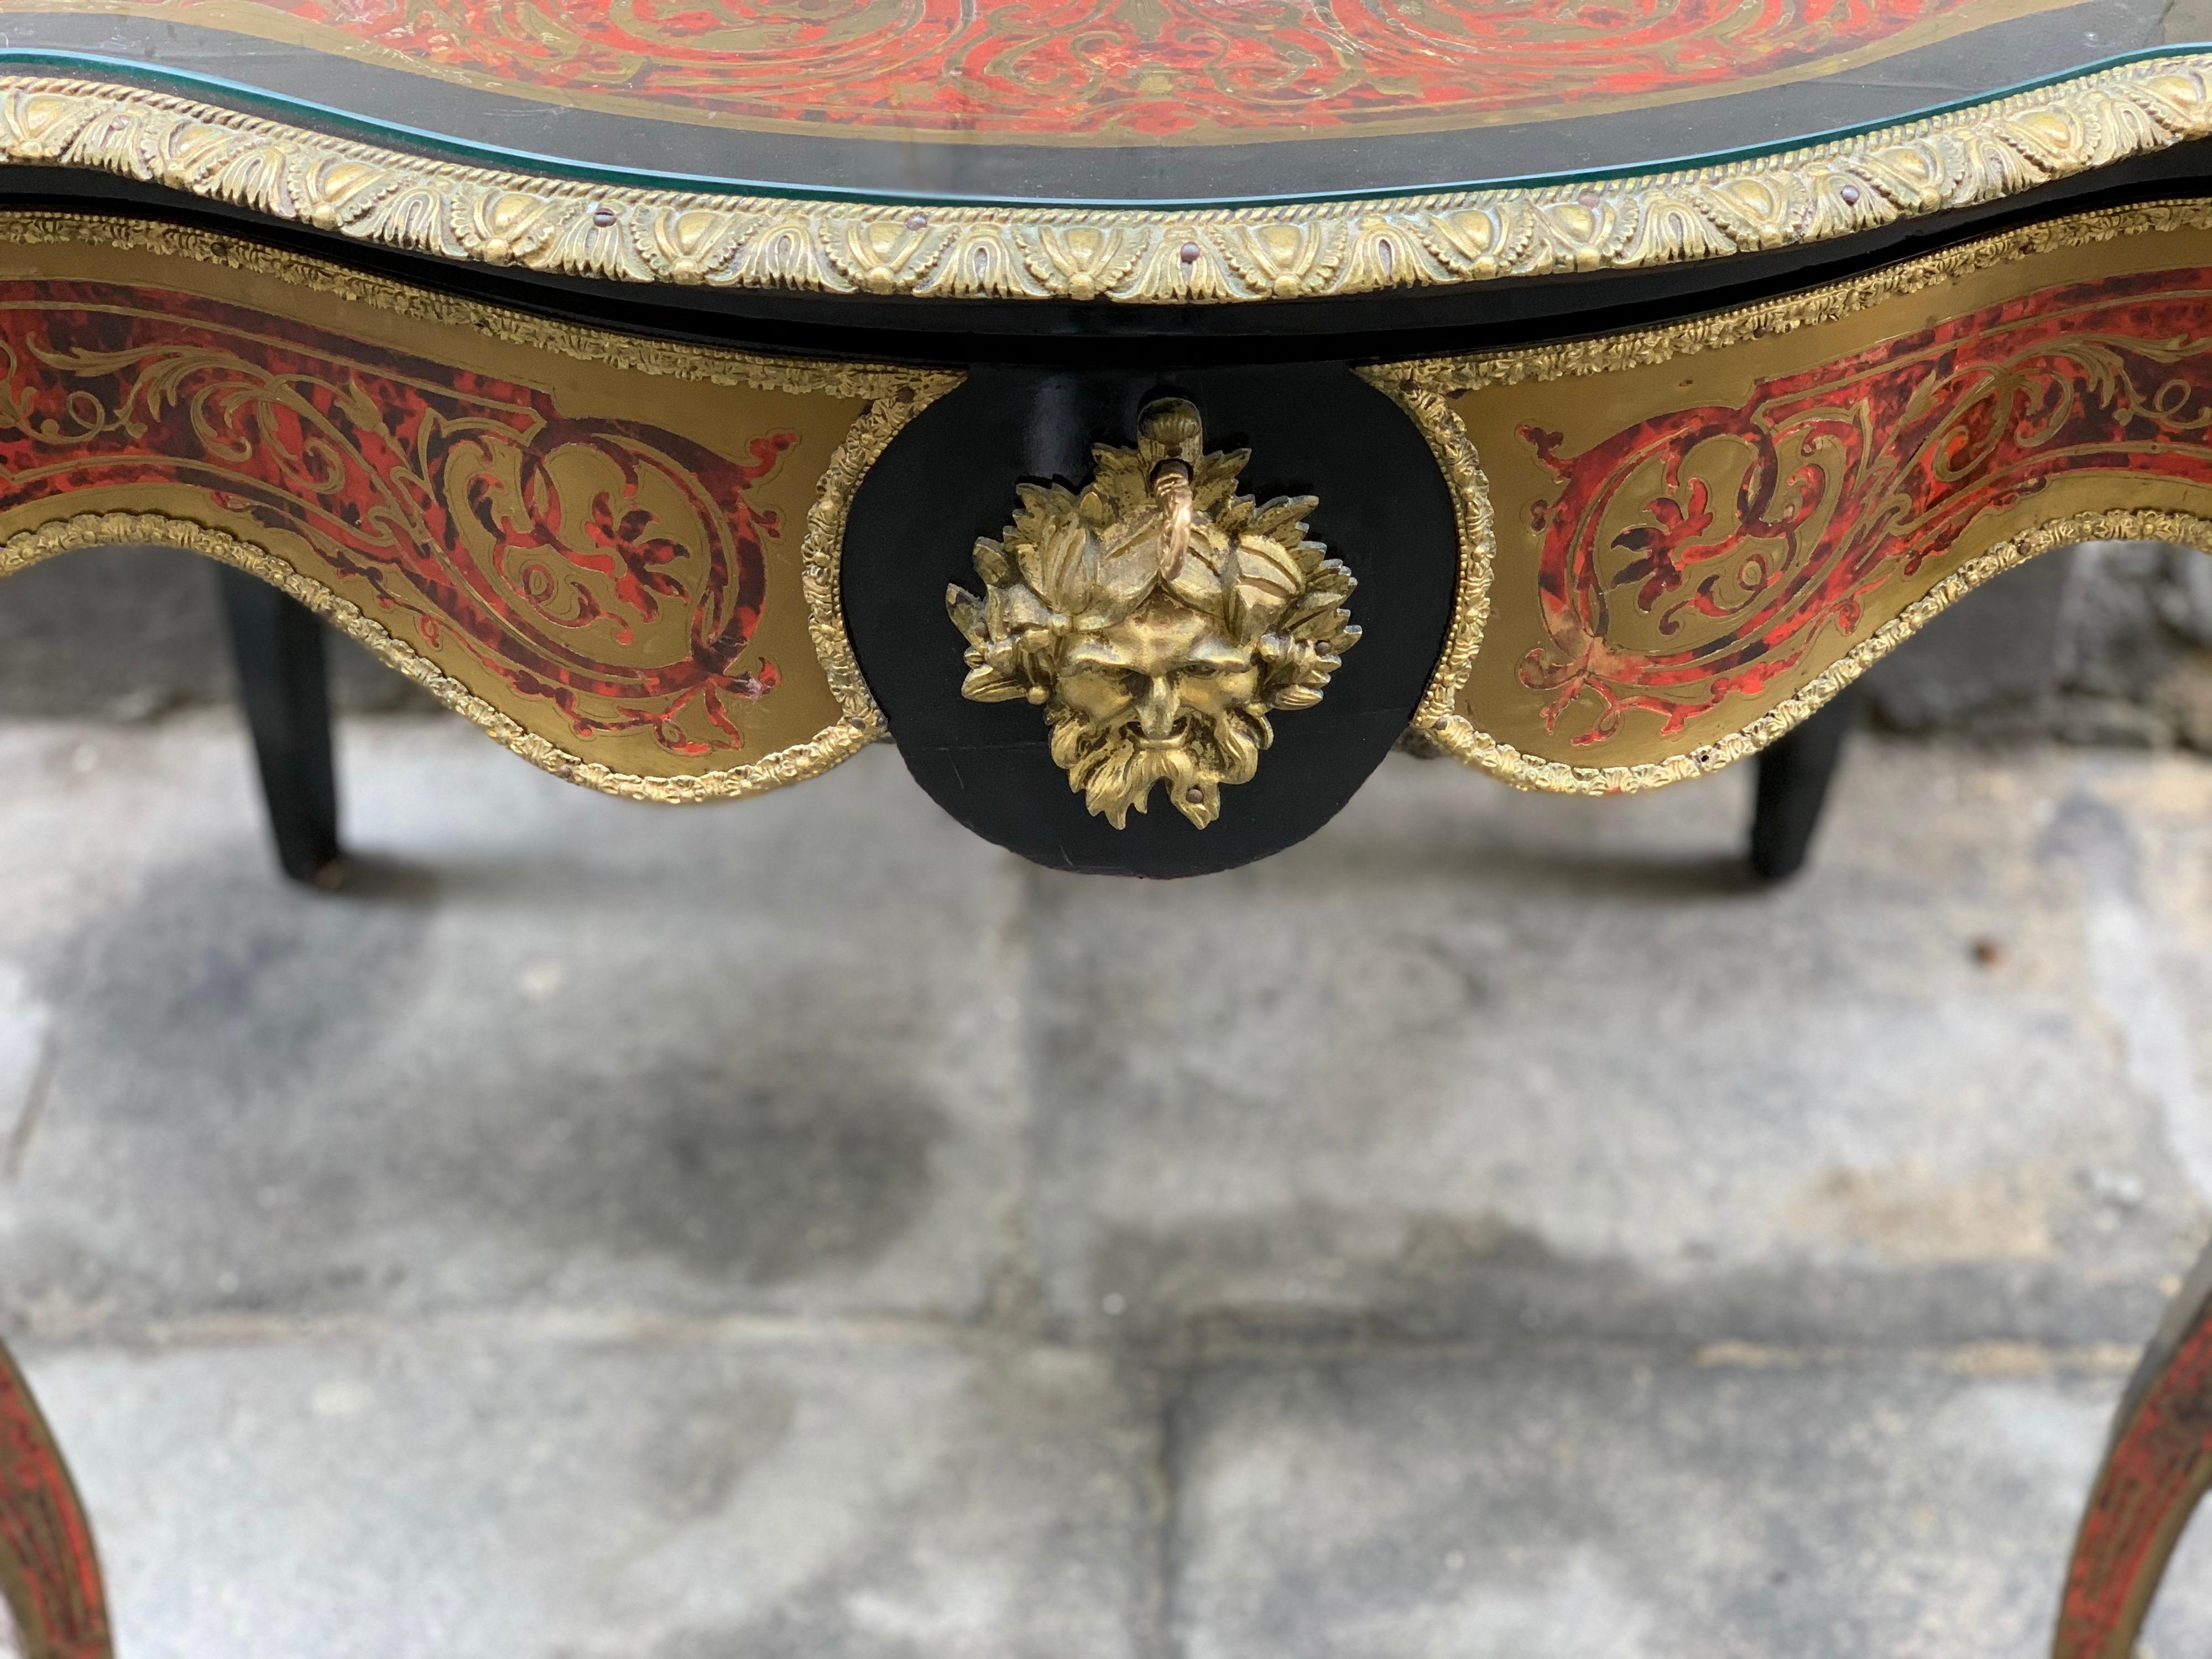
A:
x,y
1157,617
1156,670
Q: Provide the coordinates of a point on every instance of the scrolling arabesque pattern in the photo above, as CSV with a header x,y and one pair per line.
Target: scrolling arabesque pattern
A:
x,y
546,549
48,1571
1740,536
2155,1471
1131,68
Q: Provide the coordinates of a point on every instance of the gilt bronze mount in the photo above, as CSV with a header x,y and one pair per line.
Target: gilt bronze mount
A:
x,y
1157,617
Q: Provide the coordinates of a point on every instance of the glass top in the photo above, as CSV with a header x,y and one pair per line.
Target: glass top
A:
x,y
1105,102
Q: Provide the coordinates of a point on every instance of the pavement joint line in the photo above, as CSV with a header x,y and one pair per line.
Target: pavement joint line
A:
x,y
34,1107
568,1326
1984,1357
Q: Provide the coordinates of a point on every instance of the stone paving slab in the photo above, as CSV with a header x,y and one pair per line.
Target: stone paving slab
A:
x,y
797,1228
1520,1504
555,1047
1472,1062
492,1490
129,632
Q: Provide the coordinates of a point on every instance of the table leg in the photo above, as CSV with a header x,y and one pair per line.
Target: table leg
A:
x,y
2156,1467
1793,783
49,1575
281,683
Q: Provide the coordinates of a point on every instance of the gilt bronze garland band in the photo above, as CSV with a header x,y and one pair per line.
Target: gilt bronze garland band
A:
x,y
627,232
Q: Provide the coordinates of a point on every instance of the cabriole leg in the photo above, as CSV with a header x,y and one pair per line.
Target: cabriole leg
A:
x,y
1793,783
49,1575
2156,1467
278,646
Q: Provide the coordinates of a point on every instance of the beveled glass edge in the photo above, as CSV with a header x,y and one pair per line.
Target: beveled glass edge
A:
x,y
335,120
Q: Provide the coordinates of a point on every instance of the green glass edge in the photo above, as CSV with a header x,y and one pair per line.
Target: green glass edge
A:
x,y
247,100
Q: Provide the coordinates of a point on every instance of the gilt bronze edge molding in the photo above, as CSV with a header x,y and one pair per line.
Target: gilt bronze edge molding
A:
x,y
718,365
822,554
793,764
893,396
1473,517
1423,387
634,234
1459,736
1642,348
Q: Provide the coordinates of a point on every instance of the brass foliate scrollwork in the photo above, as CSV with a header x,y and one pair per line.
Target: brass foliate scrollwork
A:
x,y
1157,617
586,589
1886,516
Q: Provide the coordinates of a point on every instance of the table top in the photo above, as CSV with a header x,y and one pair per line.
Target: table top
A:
x,y
1110,102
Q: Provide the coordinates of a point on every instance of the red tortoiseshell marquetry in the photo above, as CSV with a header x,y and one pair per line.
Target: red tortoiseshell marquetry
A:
x,y
606,568
1029,71
1692,558
48,1572
2155,1472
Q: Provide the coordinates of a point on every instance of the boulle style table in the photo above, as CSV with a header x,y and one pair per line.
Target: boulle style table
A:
x,y
1144,413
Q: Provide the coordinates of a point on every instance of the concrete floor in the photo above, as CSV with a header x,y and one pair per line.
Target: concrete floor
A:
x,y
798,1229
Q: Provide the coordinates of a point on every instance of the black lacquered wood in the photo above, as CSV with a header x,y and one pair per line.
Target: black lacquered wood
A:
x,y
283,689
1794,775
950,477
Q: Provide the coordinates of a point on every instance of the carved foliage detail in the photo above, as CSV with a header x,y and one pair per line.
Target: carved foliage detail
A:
x,y
1157,618
632,233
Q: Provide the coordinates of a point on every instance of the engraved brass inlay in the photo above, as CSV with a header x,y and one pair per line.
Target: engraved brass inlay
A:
x,y
627,232
1696,535
617,555
1157,618
50,1577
